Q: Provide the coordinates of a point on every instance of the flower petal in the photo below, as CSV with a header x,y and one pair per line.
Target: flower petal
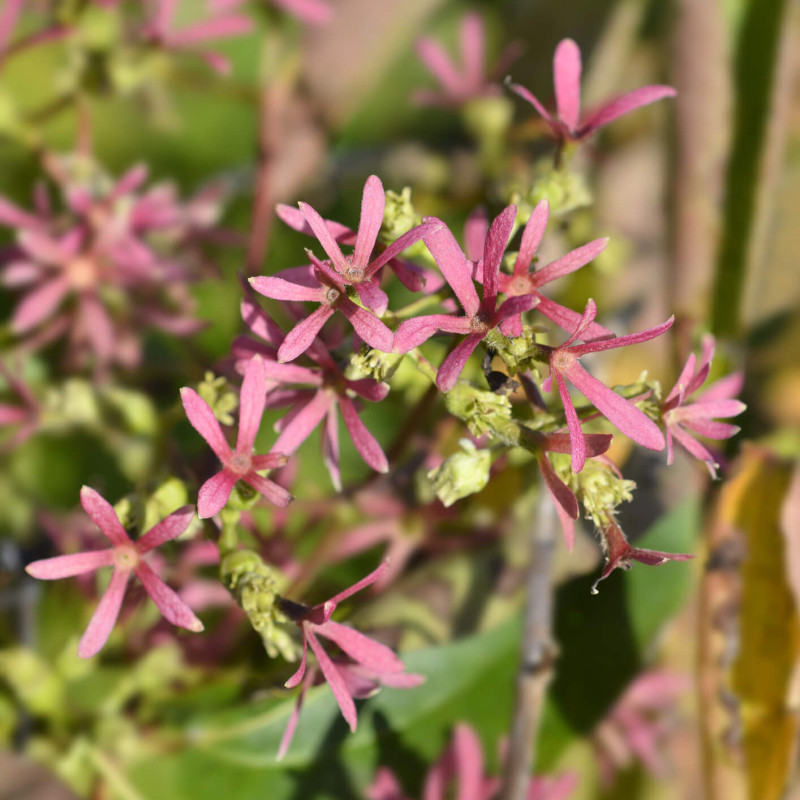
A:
x,y
169,604
567,82
204,422
366,444
573,425
367,325
51,569
361,648
454,266
105,616
276,495
103,515
303,423
453,365
570,262
169,528
252,399
531,238
325,238
373,205
335,681
299,339
38,305
280,289
214,494
496,243
622,105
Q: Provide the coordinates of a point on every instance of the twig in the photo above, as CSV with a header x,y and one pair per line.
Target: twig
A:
x,y
537,653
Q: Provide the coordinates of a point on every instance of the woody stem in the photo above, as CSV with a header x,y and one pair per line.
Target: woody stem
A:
x,y
537,651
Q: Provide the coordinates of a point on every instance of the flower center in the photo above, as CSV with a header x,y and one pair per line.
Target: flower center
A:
x,y
520,286
125,557
562,360
81,272
479,324
240,464
355,274
331,296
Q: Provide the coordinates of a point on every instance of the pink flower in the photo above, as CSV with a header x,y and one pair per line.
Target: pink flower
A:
x,y
566,503
698,417
525,280
370,663
325,283
566,125
328,391
220,25
126,557
459,772
470,81
619,553
565,365
481,315
238,464
638,724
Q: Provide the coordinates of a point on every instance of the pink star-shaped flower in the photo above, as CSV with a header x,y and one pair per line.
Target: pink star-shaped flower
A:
x,y
525,280
126,558
240,463
371,663
565,365
327,282
328,391
620,554
683,418
470,81
481,316
566,125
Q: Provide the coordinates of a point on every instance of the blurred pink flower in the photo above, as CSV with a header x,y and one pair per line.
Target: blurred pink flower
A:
x,y
638,724
326,282
527,280
459,773
126,557
22,416
481,316
192,38
309,407
371,664
470,81
566,125
565,365
620,554
718,400
240,463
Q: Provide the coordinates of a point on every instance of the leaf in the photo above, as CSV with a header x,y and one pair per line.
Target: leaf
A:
x,y
764,673
755,70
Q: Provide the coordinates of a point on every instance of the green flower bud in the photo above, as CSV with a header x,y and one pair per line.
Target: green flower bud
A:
x,y
462,474
375,364
482,411
599,488
219,395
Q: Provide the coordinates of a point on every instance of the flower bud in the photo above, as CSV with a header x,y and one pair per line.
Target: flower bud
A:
x,y
462,474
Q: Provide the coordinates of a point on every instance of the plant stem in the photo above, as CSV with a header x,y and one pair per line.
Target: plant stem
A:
x,y
537,653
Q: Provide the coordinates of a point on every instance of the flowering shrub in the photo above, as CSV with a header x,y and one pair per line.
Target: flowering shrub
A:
x,y
121,306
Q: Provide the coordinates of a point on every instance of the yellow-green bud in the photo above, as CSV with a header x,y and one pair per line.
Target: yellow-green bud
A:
x,y
462,474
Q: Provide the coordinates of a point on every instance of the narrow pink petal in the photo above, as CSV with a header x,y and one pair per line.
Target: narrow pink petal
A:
x,y
291,725
475,230
440,66
567,82
373,205
13,216
690,445
276,495
315,12
567,525
569,320
711,429
205,423
711,408
401,243
252,399
562,494
679,389
39,304
211,29
292,373
129,182
670,452
453,365
708,345
371,654
727,387
260,323
587,318
97,327
455,267
330,448
303,423
42,247
596,443
570,262
473,50
526,95
369,389
468,758
573,425
335,681
103,515
367,325
366,444
623,341
495,247
105,616
169,604
635,424
384,786
214,494
17,274
280,289
367,580
12,415
622,105
294,218
325,238
372,296
301,670
414,278
169,528
50,569
269,461
531,238
299,339
515,306
413,332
